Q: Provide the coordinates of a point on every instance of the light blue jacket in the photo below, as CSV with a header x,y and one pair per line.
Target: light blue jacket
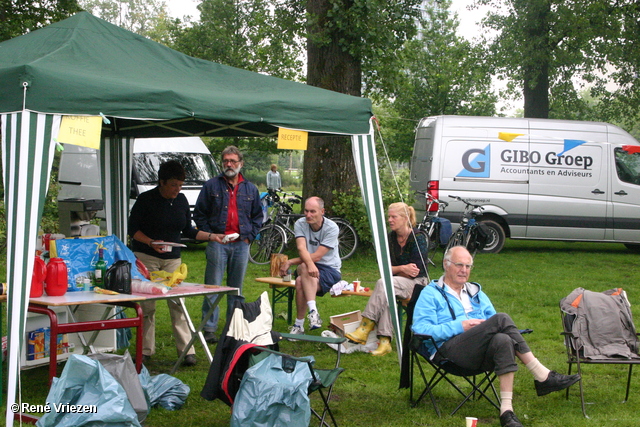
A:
x,y
432,315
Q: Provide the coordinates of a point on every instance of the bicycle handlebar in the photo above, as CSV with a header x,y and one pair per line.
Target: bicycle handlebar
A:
x,y
467,203
431,198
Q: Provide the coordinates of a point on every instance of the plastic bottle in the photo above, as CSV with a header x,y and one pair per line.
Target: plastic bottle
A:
x,y
100,270
37,278
56,283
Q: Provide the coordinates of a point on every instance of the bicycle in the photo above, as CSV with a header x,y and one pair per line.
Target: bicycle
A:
x,y
468,233
277,232
431,225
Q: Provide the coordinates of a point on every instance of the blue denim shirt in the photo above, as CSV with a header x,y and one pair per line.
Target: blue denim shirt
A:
x,y
210,212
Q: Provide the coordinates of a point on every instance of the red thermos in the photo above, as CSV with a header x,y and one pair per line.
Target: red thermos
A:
x,y
37,279
56,282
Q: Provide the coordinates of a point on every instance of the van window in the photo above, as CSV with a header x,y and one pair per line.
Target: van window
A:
x,y
627,166
198,167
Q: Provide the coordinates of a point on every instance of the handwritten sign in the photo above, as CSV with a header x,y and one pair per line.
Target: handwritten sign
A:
x,y
289,139
81,130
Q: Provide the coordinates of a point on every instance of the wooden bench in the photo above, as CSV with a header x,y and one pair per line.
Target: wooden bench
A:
x,y
281,290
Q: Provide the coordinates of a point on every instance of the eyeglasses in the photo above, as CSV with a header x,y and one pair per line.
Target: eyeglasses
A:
x,y
233,162
461,265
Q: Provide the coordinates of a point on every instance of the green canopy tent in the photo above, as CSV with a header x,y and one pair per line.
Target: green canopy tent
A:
x,y
86,66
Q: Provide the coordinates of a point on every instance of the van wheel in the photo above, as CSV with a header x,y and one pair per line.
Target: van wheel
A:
x,y
496,239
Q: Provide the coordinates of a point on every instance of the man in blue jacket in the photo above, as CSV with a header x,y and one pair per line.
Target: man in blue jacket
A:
x,y
229,209
468,332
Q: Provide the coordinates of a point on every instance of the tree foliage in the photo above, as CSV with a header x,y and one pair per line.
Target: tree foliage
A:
x,y
142,17
441,73
17,17
553,48
346,40
255,35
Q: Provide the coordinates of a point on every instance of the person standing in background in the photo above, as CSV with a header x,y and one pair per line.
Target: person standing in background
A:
x,y
229,209
273,179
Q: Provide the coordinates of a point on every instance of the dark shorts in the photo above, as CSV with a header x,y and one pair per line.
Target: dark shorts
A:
x,y
328,277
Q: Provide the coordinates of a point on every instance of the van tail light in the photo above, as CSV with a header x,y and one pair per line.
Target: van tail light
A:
x,y
433,189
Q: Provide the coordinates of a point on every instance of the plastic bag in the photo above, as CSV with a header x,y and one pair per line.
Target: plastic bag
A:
x,y
273,392
124,371
146,287
81,255
86,382
170,279
351,347
164,390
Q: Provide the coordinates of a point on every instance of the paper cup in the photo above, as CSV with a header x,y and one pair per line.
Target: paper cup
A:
x,y
472,422
356,285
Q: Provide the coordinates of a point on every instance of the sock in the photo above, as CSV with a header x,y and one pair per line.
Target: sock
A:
x,y
312,305
538,370
299,322
505,401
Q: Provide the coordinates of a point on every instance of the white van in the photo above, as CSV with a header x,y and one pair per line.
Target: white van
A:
x,y
536,178
79,173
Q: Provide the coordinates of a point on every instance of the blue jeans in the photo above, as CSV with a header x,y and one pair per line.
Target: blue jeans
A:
x,y
233,257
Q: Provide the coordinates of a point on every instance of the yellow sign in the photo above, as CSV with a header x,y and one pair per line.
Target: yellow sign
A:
x,y
507,136
289,139
81,130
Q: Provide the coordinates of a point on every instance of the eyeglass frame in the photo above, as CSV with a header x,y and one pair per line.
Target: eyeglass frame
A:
x,y
233,162
460,265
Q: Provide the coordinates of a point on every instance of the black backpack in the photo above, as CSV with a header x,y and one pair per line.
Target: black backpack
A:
x,y
118,277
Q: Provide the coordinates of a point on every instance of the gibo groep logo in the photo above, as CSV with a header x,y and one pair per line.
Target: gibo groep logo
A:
x,y
476,163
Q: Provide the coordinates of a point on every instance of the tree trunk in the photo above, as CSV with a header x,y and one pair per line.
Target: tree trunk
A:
x,y
328,161
535,68
536,92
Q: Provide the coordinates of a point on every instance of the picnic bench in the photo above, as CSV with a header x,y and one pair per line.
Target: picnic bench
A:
x,y
281,290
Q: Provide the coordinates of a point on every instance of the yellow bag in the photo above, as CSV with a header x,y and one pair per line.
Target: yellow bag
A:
x,y
170,279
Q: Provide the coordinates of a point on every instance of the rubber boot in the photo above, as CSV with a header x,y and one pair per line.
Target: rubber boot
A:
x,y
360,335
383,348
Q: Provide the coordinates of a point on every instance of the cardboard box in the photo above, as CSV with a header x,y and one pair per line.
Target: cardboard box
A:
x,y
345,323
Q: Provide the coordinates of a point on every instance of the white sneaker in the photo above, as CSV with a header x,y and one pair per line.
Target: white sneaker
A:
x,y
296,330
314,320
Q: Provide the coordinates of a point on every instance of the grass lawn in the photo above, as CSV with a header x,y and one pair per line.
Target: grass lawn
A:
x,y
526,280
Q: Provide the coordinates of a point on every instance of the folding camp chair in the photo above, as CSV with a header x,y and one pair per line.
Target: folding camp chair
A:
x,y
478,382
574,343
248,334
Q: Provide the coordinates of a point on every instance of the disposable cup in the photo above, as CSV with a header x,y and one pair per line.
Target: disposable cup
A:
x,y
356,285
472,422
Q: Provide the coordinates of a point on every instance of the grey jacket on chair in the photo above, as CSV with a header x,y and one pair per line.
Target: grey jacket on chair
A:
x,y
602,323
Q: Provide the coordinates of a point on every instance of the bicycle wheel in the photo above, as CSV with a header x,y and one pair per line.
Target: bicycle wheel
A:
x,y
434,243
425,233
347,238
270,240
457,239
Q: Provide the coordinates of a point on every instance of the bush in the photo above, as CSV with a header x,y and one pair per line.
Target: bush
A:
x,y
350,205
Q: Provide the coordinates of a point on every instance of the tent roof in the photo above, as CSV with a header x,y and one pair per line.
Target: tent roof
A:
x,y
85,65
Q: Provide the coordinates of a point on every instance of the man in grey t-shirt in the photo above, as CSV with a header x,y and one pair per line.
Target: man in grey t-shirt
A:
x,y
318,262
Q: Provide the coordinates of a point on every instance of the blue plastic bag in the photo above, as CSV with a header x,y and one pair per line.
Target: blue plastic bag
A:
x,y
81,255
164,390
272,394
85,382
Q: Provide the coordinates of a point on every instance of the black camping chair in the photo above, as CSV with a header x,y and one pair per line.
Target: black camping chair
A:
x,y
235,354
575,356
415,354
